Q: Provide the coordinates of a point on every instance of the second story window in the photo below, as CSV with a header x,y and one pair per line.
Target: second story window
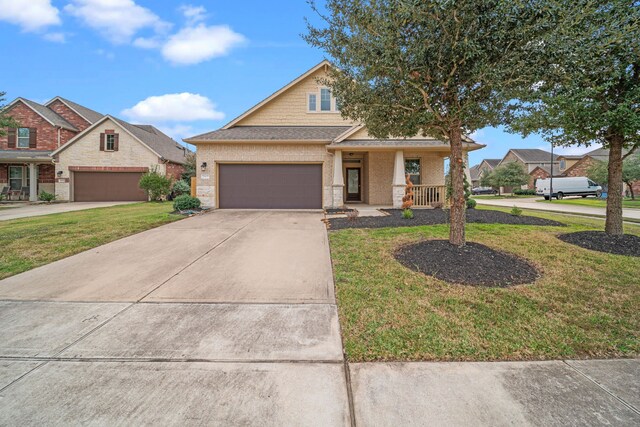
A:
x,y
325,99
23,137
312,101
110,142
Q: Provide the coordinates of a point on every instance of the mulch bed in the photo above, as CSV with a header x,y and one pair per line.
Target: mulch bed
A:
x,y
627,244
473,264
436,216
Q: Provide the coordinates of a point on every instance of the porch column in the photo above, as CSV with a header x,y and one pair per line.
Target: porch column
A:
x,y
33,183
338,181
399,179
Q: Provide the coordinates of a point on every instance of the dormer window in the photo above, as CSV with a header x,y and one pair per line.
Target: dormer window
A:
x,y
328,103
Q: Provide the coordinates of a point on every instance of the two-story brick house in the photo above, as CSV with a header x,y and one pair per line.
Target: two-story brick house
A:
x,y
105,163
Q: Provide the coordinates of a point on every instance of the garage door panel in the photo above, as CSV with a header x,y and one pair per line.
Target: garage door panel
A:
x,y
107,187
270,186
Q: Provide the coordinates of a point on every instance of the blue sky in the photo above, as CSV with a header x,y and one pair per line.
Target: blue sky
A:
x,y
186,67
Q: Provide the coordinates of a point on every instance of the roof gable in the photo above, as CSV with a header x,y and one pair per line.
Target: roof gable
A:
x,y
49,115
531,155
87,114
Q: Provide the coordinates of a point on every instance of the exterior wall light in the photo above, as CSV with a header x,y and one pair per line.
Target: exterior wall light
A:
x,y
203,166
59,173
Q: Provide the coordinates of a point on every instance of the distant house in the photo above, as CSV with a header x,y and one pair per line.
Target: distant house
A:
x,y
79,154
486,165
581,166
536,162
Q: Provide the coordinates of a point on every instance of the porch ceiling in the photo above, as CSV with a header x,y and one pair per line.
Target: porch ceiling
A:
x,y
23,156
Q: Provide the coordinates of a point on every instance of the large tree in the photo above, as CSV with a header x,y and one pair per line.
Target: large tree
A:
x,y
435,67
5,120
510,174
585,86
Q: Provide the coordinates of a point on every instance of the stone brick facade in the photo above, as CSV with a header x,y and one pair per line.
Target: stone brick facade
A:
x,y
581,167
69,115
46,133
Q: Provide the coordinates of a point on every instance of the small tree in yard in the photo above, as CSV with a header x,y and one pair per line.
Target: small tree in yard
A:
x,y
155,185
599,172
585,85
510,174
430,67
5,121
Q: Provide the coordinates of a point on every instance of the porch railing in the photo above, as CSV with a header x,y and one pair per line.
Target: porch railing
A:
x,y
429,196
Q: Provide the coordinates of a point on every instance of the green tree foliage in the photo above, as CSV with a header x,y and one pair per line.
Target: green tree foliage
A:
x,y
155,185
430,67
189,167
510,174
181,187
584,85
599,172
5,120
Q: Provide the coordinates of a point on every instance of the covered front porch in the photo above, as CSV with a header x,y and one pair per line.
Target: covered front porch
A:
x,y
378,177
23,175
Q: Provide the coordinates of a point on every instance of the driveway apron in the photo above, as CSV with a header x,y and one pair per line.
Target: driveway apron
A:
x,y
224,318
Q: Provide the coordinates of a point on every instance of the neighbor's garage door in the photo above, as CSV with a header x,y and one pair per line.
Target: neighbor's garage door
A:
x,y
107,187
270,186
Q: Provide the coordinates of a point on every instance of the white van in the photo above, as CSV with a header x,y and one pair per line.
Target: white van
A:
x,y
573,186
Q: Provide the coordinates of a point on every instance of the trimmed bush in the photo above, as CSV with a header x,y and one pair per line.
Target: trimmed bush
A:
x,y
185,202
516,211
155,185
407,214
46,197
526,192
181,187
471,204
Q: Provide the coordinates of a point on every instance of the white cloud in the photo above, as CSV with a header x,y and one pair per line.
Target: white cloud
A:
x,y
55,37
174,107
117,20
147,42
193,45
193,14
30,15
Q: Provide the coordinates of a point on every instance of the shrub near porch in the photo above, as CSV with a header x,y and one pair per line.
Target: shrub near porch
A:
x,y
583,306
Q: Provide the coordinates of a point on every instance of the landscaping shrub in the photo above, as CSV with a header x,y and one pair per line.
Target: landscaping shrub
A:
x,y
407,214
525,192
516,211
186,202
471,204
181,187
46,197
155,185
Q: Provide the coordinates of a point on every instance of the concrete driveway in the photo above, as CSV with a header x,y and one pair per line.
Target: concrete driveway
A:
x,y
226,318
28,210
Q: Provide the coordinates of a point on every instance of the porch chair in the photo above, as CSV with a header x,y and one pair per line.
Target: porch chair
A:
x,y
5,193
24,193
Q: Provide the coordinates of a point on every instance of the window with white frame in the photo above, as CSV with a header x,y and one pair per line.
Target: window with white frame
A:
x,y
312,101
110,142
23,137
563,165
325,99
412,168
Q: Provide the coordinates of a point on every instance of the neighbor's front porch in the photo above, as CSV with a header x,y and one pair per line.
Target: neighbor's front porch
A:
x,y
17,170
378,177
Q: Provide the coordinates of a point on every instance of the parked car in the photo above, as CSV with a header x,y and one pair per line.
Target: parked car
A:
x,y
483,190
572,186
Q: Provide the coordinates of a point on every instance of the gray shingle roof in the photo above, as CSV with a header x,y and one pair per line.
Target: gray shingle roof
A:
x,y
474,172
87,113
533,155
156,140
602,154
50,115
268,133
25,155
492,162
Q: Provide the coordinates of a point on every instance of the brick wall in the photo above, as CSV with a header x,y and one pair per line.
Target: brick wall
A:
x,y
69,115
46,174
537,174
47,134
3,174
581,167
174,170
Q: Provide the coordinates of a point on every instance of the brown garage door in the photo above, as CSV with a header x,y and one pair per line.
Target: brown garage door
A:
x,y
107,187
270,186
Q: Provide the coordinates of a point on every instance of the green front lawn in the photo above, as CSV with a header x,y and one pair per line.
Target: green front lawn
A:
x,y
584,305
502,196
595,203
31,242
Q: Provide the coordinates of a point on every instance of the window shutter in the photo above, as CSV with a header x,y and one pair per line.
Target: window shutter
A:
x,y
11,138
33,133
102,142
116,140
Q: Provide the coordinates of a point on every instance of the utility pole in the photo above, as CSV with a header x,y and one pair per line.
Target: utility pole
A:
x,y
551,178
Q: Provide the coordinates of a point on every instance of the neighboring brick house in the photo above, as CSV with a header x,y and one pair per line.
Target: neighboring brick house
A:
x,y
294,150
486,165
530,159
48,128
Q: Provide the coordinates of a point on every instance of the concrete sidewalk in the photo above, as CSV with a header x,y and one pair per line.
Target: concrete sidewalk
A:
x,y
28,210
532,203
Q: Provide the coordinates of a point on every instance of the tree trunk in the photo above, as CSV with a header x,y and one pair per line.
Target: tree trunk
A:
x,y
457,212
630,185
613,223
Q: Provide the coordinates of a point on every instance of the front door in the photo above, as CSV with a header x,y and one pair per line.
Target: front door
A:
x,y
353,184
